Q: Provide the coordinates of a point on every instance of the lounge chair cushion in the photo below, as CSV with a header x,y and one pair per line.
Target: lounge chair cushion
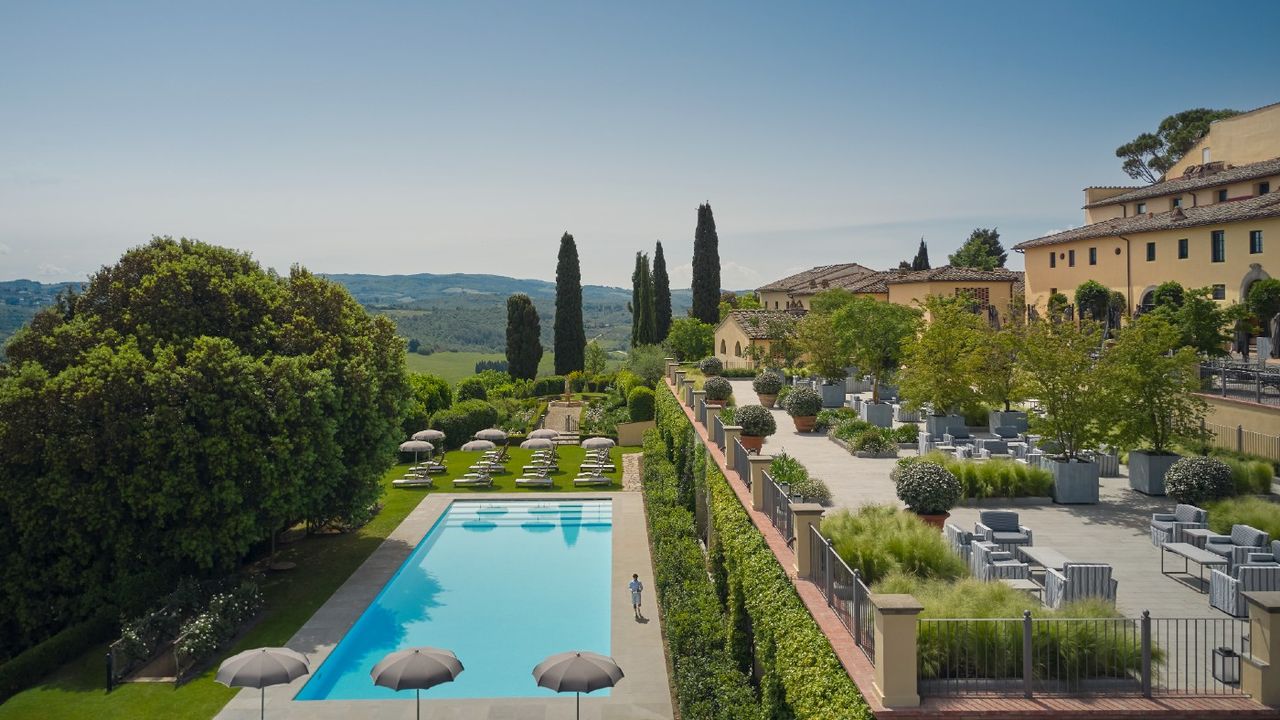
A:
x,y
1004,537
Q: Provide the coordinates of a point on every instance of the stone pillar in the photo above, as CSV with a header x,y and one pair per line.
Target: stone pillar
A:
x,y
895,628
759,463
731,433
806,515
712,411
1260,669
671,368
697,395
679,381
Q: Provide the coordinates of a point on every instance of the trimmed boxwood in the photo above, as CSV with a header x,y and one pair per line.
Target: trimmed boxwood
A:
x,y
768,382
640,404
928,488
711,366
37,661
803,402
463,420
1196,480
717,388
755,420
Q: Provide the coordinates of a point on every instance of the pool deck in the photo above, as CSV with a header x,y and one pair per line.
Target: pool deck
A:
x,y
643,694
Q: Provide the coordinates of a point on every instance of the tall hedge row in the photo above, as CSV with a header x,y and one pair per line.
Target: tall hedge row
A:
x,y
801,676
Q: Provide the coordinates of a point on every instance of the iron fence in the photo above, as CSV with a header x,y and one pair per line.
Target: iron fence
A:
x,y
777,505
1031,657
717,431
741,464
844,591
1241,381
1241,440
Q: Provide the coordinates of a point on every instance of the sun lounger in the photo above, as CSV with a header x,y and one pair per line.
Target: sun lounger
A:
x,y
473,481
589,480
598,467
539,466
540,479
413,482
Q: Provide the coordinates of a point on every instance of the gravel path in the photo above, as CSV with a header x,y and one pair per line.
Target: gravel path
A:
x,y
631,464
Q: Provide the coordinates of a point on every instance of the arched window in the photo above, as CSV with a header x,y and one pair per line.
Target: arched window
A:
x,y
737,349
723,348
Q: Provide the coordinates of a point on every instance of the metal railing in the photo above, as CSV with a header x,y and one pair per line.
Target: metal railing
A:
x,y
1241,440
777,505
717,431
741,464
701,411
1031,657
844,591
1241,381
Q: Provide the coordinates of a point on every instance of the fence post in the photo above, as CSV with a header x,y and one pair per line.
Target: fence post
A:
x,y
895,637
697,408
1257,387
1259,669
671,367
1027,665
1146,653
1239,438
731,434
806,515
759,463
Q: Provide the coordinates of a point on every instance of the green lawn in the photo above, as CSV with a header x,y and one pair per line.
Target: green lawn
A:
x,y
323,564
454,366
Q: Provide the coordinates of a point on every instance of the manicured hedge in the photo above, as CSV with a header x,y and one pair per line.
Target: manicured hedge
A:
x,y
463,420
32,665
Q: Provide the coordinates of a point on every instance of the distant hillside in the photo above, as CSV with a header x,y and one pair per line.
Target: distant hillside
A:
x,y
21,299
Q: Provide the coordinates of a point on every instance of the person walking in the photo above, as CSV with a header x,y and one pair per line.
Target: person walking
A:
x,y
636,587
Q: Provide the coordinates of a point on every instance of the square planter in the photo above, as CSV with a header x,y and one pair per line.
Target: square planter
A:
x,y
1146,471
832,394
888,391
1074,482
878,414
1012,418
938,425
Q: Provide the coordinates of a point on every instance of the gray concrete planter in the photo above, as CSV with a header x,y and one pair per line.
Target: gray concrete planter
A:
x,y
1146,471
909,446
1012,418
832,394
878,414
1074,483
938,425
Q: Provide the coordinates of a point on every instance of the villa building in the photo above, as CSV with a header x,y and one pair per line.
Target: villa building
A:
x,y
1214,220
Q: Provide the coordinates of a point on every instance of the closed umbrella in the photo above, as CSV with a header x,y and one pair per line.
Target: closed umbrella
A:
x,y
415,447
261,667
492,434
577,672
478,445
544,433
429,435
537,444
593,443
418,668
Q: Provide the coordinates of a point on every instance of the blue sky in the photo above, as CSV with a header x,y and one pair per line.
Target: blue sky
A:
x,y
466,136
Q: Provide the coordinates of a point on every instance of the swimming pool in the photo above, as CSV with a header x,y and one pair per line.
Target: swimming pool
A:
x,y
502,584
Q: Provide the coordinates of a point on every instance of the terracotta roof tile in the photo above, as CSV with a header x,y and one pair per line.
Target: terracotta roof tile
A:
x,y
813,277
1187,184
947,273
755,323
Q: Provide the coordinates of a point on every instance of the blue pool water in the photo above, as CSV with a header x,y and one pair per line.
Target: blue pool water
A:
x,y
502,584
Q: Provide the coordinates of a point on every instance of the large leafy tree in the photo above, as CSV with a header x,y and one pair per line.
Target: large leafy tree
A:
x,y
828,359
524,332
875,332
1092,300
1058,368
179,412
570,338
995,362
706,268
1205,324
690,339
1151,380
1150,155
428,394
938,362
661,296
981,251
1264,302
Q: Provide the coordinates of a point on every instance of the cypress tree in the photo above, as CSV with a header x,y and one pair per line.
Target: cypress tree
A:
x,y
642,321
706,268
921,261
570,338
661,296
634,306
524,330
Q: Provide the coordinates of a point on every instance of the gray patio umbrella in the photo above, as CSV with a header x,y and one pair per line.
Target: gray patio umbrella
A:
x,y
593,443
547,433
419,668
429,435
261,667
415,447
492,434
577,672
478,445
537,444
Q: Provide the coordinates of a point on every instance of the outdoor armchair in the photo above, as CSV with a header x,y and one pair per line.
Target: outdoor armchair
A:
x,y
1226,591
1237,546
1001,527
958,540
1168,527
1077,581
1263,557
988,562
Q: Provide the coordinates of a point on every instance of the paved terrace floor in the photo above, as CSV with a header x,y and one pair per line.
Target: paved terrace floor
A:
x,y
1114,531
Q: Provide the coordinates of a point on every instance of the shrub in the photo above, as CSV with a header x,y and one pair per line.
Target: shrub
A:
x,y
1250,477
876,441
727,415
908,433
550,385
877,540
473,388
988,478
788,470
850,428
768,382
710,366
463,420
209,630
928,488
831,417
783,394
756,421
1254,512
624,380
640,404
803,402
37,661
1195,480
648,362
717,388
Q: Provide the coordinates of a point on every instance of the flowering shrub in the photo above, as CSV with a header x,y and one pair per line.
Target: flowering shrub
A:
x,y
206,632
1194,480
928,488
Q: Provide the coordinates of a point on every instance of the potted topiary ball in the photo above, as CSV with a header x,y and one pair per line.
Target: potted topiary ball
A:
x,y
1195,480
767,386
757,424
711,366
717,389
929,490
803,405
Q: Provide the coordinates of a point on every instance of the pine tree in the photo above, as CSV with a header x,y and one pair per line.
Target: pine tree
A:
x,y
642,321
661,296
524,346
921,261
982,251
706,268
570,339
